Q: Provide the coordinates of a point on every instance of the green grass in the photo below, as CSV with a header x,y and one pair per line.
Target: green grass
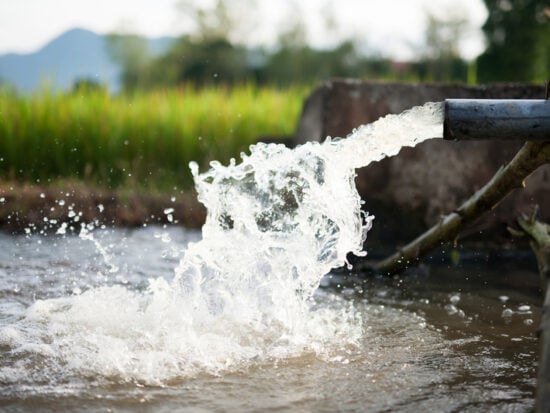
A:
x,y
142,140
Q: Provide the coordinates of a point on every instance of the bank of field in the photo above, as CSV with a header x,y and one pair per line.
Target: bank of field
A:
x,y
144,140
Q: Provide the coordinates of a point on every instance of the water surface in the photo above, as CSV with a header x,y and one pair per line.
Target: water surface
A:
x,y
459,339
243,316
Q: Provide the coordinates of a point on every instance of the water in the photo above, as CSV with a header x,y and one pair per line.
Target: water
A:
x,y
455,340
234,319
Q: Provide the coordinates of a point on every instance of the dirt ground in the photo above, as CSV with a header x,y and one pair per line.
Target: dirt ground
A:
x,y
24,206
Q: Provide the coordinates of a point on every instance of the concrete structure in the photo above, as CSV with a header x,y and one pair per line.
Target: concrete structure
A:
x,y
409,192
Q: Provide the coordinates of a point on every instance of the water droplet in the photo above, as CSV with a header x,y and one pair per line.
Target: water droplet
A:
x,y
503,298
524,308
62,229
507,313
454,299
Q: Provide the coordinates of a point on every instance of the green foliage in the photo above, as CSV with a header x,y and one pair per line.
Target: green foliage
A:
x,y
131,52
205,62
304,64
441,60
214,53
142,140
216,61
518,36
219,19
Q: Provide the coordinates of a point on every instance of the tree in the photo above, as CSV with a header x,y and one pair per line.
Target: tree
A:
x,y
303,64
87,84
441,59
204,61
131,52
231,20
518,41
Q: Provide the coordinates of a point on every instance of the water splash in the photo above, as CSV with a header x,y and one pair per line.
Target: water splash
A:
x,y
386,136
277,223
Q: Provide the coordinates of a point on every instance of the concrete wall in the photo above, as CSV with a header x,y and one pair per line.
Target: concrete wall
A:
x,y
409,192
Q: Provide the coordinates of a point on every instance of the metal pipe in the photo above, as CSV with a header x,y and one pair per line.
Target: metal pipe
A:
x,y
518,119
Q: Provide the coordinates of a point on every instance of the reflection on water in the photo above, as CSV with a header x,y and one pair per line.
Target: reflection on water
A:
x,y
454,340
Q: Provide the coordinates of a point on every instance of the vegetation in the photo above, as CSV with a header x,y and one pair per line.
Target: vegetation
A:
x,y
518,37
216,53
210,96
219,62
144,139
517,34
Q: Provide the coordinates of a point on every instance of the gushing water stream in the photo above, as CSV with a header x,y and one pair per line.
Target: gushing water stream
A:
x,y
244,298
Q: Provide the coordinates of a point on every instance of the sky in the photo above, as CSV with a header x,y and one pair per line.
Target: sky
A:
x,y
392,27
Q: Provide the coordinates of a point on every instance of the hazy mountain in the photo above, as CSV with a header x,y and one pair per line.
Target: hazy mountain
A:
x,y
76,54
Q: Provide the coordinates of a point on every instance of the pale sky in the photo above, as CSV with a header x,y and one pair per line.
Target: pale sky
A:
x,y
394,27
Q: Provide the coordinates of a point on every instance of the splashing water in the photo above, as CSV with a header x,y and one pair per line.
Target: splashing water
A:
x,y
277,223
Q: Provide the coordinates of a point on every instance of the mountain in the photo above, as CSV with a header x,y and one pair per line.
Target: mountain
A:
x,y
75,54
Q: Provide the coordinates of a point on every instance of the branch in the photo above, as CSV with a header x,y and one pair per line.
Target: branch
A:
x,y
539,234
512,176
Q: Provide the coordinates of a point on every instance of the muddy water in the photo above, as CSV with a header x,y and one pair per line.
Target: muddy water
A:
x,y
450,339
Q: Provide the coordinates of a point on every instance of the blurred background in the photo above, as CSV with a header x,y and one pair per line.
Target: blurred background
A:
x,y
128,92
127,45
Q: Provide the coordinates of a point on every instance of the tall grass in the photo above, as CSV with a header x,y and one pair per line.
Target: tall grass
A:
x,y
144,139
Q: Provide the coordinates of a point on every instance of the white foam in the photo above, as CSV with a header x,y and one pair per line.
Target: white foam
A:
x,y
277,222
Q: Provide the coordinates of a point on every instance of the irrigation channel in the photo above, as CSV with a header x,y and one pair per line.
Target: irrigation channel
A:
x,y
246,314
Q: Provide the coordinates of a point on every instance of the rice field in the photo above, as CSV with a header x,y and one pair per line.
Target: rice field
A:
x,y
143,140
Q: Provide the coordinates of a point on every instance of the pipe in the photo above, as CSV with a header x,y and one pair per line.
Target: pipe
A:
x,y
518,119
